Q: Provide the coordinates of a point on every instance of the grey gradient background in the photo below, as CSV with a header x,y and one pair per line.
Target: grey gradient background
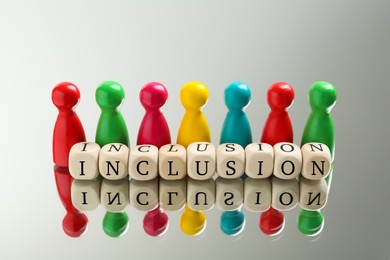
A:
x,y
133,42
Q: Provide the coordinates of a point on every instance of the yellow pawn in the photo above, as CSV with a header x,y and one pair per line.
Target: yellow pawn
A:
x,y
193,128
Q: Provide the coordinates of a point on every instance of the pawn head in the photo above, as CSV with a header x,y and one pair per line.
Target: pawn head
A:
x,y
280,95
75,224
155,222
192,222
153,95
310,223
271,222
115,224
65,95
322,96
194,95
109,95
232,222
237,95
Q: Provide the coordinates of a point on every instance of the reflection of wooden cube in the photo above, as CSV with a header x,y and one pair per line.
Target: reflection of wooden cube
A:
x,y
288,160
172,194
85,194
313,194
83,161
257,194
316,161
114,194
143,162
285,194
113,161
143,195
259,160
200,194
229,194
230,160
201,160
172,161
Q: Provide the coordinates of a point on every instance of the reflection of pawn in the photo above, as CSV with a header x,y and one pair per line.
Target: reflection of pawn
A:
x,y
75,222
112,128
154,130
277,128
68,129
193,128
235,129
319,128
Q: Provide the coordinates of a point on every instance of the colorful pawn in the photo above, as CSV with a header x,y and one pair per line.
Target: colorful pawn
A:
x,y
193,128
319,128
235,129
154,130
75,222
277,128
112,128
68,129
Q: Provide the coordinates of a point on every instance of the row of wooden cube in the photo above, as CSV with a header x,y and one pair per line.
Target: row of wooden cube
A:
x,y
256,195
199,161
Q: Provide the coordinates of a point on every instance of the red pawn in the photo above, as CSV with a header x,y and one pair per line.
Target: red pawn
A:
x,y
154,128
277,128
75,222
68,129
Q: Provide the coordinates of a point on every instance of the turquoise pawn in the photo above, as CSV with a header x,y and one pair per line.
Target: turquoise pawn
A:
x,y
235,129
319,128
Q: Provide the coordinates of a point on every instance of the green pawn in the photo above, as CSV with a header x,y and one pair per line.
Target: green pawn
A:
x,y
319,128
112,128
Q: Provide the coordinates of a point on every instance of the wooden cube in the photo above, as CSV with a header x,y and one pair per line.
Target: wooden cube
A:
x,y
200,194
230,160
172,162
316,161
288,161
201,160
257,194
229,194
85,194
143,162
313,194
285,194
83,161
259,160
143,194
113,161
172,194
114,194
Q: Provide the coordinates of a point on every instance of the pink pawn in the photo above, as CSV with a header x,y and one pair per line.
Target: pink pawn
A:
x,y
68,129
154,128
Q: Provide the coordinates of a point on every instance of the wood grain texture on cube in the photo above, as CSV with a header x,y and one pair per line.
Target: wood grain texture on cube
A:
x,y
85,194
113,160
201,160
313,194
316,161
143,195
143,162
83,161
172,161
257,194
200,194
287,160
230,160
114,194
259,160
